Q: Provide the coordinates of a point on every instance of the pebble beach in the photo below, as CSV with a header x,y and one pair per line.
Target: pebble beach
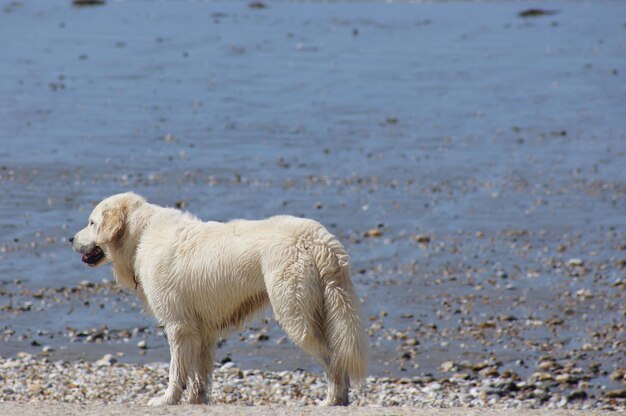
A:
x,y
27,378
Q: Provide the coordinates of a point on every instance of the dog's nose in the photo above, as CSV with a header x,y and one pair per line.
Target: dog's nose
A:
x,y
71,239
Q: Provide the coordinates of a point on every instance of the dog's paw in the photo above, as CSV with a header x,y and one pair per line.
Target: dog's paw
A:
x,y
160,401
335,402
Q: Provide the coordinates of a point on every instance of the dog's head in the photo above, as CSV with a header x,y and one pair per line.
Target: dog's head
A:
x,y
105,228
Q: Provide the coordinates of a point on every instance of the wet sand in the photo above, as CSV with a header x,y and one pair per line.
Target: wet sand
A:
x,y
470,159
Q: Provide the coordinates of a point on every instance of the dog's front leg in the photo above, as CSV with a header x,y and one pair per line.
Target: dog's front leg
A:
x,y
184,347
199,385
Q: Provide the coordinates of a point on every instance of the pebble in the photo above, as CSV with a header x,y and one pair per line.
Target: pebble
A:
x,y
563,378
546,365
616,394
107,360
35,389
542,376
374,232
422,238
142,344
584,294
411,342
447,366
479,366
577,395
575,263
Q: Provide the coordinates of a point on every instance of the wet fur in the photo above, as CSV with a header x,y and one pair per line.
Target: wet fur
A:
x,y
203,280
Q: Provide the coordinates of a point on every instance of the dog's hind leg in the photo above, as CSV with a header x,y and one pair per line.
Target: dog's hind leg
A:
x,y
296,295
185,349
345,338
347,341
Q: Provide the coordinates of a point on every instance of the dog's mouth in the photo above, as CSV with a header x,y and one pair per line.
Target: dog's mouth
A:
x,y
93,257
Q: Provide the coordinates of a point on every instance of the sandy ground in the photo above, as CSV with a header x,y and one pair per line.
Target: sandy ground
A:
x,y
38,409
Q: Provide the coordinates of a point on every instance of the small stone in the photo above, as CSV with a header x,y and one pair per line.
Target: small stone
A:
x,y
447,366
542,376
563,378
479,366
374,232
489,372
617,375
577,395
584,294
509,387
435,386
88,2
391,120
227,365
422,238
35,388
616,394
546,365
106,361
411,342
257,5
142,344
575,263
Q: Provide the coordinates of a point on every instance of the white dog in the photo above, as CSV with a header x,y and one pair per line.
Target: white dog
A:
x,y
203,280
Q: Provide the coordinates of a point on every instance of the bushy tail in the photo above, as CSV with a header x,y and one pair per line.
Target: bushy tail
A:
x,y
342,312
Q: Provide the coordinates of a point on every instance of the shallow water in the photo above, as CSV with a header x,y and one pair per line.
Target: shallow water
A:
x,y
500,138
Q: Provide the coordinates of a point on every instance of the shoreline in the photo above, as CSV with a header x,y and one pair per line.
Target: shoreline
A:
x,y
33,379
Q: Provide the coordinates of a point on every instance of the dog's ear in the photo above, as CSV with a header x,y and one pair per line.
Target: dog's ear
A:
x,y
112,224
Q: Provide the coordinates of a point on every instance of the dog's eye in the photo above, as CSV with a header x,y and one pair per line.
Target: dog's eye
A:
x,y
91,222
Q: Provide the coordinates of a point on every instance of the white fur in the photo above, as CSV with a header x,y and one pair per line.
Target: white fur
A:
x,y
202,280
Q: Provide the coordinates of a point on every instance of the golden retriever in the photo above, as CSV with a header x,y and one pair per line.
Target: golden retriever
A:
x,y
202,280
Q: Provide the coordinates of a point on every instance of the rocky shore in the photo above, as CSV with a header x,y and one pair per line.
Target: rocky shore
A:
x,y
30,378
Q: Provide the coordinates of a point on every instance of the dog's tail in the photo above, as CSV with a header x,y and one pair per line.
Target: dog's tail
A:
x,y
343,325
